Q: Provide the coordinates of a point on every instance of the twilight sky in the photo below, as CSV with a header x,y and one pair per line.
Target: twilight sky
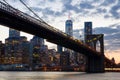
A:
x,y
105,15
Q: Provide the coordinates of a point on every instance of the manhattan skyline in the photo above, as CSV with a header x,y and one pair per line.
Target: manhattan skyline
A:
x,y
103,13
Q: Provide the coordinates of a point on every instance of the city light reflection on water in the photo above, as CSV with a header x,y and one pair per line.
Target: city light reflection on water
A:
x,y
57,76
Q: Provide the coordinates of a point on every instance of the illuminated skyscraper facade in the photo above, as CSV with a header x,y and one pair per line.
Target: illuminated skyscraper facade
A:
x,y
12,47
37,44
16,48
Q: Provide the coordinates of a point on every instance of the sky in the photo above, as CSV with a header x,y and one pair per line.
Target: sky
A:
x,y
104,15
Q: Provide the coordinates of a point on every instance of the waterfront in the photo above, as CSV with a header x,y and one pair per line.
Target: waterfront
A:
x,y
58,76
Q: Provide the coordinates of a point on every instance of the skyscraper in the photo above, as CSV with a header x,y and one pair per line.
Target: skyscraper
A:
x,y
87,29
69,30
12,47
25,50
59,49
37,43
16,47
2,52
69,27
14,33
65,59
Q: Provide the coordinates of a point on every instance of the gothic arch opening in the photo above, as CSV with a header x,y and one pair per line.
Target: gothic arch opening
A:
x,y
98,48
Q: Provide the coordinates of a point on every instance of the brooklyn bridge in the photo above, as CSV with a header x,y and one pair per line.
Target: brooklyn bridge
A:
x,y
96,61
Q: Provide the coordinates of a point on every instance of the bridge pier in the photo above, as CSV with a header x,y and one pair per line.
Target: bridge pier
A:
x,y
95,64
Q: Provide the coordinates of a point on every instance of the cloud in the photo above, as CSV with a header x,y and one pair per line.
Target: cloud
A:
x,y
100,10
47,11
56,8
107,16
111,36
76,33
86,5
51,0
36,9
114,10
67,6
108,2
105,30
66,2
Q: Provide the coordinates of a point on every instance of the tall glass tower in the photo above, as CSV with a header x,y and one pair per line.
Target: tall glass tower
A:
x,y
69,27
69,30
87,29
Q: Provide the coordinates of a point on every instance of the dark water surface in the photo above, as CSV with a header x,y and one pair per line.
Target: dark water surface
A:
x,y
58,76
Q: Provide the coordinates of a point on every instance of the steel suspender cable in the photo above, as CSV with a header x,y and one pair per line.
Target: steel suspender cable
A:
x,y
6,2
31,10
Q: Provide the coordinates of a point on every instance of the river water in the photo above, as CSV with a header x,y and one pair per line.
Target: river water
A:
x,y
58,76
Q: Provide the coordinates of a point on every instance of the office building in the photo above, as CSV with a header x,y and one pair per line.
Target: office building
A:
x,y
14,33
69,27
37,44
59,49
68,30
16,48
65,59
2,52
87,29
25,50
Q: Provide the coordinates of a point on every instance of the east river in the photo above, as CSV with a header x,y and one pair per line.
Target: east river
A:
x,y
58,76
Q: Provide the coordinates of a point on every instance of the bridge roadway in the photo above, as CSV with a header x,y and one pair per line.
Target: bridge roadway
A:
x,y
18,20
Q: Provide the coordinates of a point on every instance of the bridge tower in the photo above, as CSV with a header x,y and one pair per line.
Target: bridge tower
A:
x,y
94,63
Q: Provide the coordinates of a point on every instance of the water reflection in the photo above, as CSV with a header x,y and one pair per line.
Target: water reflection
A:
x,y
57,76
35,75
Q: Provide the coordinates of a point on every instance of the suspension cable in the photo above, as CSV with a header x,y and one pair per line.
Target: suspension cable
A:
x,y
6,2
31,10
